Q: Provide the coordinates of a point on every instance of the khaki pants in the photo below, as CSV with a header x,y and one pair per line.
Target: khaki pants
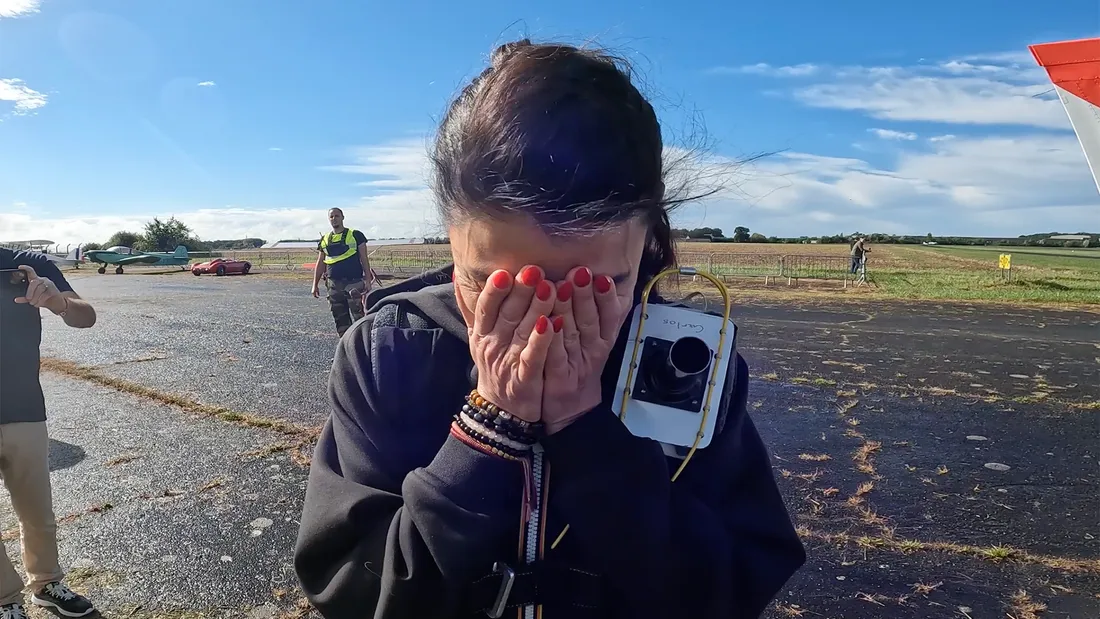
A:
x,y
25,467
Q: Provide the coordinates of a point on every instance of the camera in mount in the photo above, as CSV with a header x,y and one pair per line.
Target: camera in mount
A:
x,y
675,370
674,373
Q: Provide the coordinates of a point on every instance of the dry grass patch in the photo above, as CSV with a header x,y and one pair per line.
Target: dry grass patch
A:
x,y
855,366
842,408
300,447
84,579
862,457
1021,606
217,482
925,590
123,459
789,610
75,370
997,554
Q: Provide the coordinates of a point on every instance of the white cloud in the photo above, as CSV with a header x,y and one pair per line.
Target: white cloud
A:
x,y
402,164
406,215
954,183
763,68
18,8
989,89
24,99
968,181
275,149
399,205
978,186
967,185
890,134
206,84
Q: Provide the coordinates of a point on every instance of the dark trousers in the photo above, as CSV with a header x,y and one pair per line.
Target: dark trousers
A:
x,y
345,299
856,261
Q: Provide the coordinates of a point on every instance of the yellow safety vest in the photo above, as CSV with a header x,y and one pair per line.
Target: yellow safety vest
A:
x,y
349,240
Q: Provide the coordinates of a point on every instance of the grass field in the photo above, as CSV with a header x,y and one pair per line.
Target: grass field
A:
x,y
1037,257
1041,275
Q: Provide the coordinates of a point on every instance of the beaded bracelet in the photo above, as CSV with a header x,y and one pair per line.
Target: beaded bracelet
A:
x,y
488,432
460,431
467,437
492,416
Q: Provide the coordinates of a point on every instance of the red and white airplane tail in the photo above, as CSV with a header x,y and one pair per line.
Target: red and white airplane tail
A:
x,y
1074,69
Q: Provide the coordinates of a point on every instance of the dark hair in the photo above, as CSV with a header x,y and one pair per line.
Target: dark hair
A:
x,y
561,135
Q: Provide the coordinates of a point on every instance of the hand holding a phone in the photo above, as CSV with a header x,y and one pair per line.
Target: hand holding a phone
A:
x,y
42,293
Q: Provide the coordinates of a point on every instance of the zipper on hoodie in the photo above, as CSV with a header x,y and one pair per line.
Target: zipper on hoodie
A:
x,y
534,523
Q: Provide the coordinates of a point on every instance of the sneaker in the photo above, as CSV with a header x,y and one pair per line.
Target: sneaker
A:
x,y
62,600
13,611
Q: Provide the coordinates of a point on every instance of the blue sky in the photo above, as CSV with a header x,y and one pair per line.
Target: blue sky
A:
x,y
252,117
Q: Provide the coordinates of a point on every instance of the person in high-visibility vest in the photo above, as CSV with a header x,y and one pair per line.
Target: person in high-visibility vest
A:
x,y
342,255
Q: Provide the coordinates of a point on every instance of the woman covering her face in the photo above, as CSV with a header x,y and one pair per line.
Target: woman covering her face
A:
x,y
471,420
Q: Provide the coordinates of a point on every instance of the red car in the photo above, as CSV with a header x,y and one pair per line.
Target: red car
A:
x,y
221,266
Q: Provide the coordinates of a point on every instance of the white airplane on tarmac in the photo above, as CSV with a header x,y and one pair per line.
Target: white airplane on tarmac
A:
x,y
75,257
1074,69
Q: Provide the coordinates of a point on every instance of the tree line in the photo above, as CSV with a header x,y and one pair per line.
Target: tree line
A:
x,y
742,234
166,236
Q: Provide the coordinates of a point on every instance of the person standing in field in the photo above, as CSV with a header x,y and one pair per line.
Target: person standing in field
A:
x,y
342,256
859,251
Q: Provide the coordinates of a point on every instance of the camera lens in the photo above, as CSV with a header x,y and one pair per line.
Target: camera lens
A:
x,y
689,356
673,373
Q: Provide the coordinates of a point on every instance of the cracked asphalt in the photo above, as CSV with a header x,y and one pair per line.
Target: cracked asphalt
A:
x,y
939,458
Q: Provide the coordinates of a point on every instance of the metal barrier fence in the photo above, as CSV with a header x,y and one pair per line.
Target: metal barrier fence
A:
x,y
410,262
406,263
789,267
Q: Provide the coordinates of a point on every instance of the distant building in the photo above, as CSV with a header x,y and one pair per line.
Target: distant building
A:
x,y
291,245
1070,237
298,244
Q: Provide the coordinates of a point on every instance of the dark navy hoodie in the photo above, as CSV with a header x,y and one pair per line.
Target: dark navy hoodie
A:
x,y
403,520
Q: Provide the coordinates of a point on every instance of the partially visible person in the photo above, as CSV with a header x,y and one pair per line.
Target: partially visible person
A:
x,y
24,439
342,259
472,462
859,251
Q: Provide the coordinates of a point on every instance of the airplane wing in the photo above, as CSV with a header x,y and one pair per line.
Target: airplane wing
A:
x,y
138,259
1074,69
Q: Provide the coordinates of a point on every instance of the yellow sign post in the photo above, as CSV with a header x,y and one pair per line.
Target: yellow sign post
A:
x,y
1005,263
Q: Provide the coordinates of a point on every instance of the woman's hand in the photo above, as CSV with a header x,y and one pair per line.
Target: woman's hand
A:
x,y
587,317
510,338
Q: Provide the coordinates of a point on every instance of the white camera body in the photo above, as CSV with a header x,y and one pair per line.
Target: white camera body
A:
x,y
672,378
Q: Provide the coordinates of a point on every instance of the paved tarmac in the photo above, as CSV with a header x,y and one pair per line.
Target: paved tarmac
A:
x,y
917,445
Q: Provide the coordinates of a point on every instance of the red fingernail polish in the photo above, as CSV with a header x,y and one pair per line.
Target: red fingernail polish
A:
x,y
565,291
530,276
603,284
582,277
500,279
559,322
541,324
543,291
